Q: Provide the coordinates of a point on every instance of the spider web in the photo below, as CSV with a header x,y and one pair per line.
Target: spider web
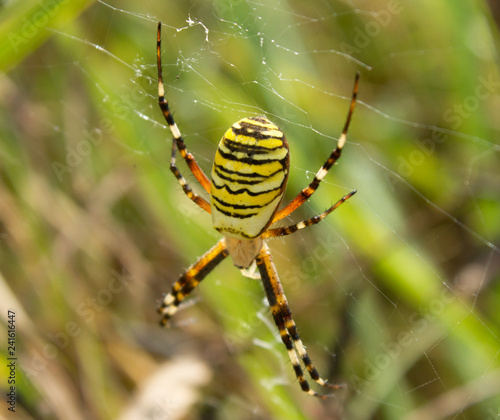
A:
x,y
396,293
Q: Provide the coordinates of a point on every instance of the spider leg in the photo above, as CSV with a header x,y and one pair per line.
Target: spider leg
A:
x,y
200,201
190,279
282,231
177,137
282,315
313,186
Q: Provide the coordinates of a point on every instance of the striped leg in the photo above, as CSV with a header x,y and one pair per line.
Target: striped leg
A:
x,y
282,315
190,279
282,231
188,157
313,186
200,201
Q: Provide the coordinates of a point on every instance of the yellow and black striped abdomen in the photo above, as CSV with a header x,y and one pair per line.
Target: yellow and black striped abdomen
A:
x,y
249,177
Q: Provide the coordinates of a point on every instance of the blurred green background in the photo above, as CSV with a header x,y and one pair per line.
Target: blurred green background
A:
x,y
396,294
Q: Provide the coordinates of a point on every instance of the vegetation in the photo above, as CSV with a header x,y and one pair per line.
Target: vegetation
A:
x,y
396,294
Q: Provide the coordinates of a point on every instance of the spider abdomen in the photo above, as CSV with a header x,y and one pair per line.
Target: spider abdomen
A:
x,y
249,177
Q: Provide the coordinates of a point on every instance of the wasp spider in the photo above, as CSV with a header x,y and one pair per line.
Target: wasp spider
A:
x,y
249,177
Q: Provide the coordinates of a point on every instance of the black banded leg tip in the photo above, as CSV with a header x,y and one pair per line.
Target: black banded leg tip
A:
x,y
331,395
350,195
321,396
335,386
162,323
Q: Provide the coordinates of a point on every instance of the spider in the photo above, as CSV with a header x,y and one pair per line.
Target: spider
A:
x,y
249,177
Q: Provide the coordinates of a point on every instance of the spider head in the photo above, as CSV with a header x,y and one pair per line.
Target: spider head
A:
x,y
243,251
